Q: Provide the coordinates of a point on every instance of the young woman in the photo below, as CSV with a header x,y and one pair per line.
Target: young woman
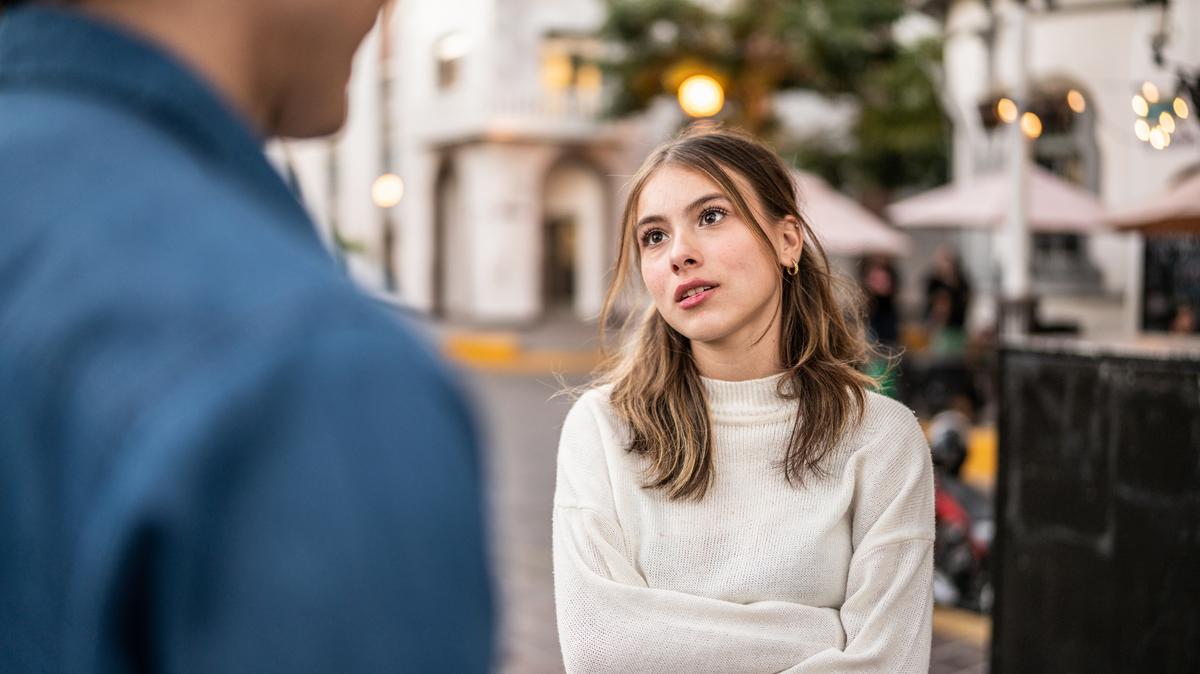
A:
x,y
733,497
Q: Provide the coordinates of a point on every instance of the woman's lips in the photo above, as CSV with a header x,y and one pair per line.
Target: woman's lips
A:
x,y
694,300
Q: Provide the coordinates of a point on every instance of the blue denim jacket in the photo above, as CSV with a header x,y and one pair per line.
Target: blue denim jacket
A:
x,y
215,454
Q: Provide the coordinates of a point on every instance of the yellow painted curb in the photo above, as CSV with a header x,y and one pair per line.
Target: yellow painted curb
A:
x,y
502,352
481,347
962,625
541,362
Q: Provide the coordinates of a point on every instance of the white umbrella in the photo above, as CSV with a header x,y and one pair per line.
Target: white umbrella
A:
x,y
1176,210
1055,205
841,224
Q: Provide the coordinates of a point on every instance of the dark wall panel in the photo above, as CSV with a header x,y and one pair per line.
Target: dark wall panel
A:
x,y
1098,546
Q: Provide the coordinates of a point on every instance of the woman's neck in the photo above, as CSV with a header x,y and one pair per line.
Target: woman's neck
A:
x,y
739,359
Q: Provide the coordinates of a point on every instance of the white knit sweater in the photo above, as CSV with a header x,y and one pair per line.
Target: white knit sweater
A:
x,y
759,576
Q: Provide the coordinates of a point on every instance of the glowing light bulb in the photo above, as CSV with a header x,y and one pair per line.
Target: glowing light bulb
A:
x,y
1150,91
1031,125
1166,121
1076,101
1006,110
1158,138
1181,108
1140,107
1141,129
701,96
387,190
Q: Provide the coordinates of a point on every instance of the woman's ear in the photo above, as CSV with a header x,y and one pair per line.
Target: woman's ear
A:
x,y
791,240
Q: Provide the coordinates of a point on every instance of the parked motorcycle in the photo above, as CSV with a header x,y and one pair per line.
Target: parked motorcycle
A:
x,y
965,523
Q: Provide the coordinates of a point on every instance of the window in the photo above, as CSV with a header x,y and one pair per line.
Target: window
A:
x,y
569,64
449,51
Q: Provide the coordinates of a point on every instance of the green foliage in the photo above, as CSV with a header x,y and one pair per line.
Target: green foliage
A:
x,y
757,48
348,246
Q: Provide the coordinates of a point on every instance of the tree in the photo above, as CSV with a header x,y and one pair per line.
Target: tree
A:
x,y
757,48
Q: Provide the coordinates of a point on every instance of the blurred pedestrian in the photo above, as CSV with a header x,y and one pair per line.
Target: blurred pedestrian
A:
x,y
947,299
218,456
731,496
1183,322
947,382
879,281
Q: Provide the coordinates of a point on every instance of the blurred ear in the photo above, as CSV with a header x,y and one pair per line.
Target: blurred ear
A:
x,y
789,240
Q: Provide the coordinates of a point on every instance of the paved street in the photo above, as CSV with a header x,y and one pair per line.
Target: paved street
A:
x,y
523,421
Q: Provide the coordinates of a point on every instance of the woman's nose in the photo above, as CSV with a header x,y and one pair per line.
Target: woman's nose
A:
x,y
683,254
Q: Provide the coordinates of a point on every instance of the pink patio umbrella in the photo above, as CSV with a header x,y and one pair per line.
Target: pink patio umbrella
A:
x,y
1054,205
1175,210
843,226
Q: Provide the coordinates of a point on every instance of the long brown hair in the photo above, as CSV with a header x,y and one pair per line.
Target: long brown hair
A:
x,y
656,387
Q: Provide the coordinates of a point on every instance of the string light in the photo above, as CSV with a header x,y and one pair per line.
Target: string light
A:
x,y
1031,125
1006,110
1076,101
1141,129
1140,107
1166,121
1150,92
1158,138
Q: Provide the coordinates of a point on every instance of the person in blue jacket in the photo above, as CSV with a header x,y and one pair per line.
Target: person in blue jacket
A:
x,y
215,454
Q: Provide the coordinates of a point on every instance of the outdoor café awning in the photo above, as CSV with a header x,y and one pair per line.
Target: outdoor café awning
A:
x,y
843,226
1175,211
1055,205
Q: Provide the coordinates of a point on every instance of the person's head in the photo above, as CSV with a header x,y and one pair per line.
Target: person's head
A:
x,y
945,263
711,246
877,276
311,47
719,209
1184,320
284,63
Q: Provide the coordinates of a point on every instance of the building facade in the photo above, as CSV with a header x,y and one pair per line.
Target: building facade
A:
x,y
1084,61
489,112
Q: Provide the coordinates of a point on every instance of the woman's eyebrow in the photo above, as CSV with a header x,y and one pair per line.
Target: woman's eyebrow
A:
x,y
703,200
690,207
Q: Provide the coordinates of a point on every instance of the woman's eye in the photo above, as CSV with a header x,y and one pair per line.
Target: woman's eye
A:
x,y
653,237
712,216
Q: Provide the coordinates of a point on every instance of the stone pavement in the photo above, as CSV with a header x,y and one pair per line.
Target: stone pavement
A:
x,y
522,417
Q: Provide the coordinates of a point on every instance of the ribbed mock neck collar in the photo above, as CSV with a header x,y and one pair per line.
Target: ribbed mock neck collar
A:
x,y
753,400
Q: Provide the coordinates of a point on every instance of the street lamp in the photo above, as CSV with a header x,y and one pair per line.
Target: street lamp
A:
x,y
701,96
387,190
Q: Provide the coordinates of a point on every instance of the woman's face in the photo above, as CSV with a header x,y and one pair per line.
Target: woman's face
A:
x,y
707,270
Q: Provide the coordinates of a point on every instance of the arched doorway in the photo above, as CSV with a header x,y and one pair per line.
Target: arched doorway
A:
x,y
575,210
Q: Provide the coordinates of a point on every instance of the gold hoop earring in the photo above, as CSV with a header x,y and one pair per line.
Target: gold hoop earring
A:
x,y
794,270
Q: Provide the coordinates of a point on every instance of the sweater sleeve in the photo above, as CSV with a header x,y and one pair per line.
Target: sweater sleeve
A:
x,y
888,610
610,620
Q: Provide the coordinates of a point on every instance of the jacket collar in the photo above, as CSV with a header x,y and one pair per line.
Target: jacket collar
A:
x,y
58,49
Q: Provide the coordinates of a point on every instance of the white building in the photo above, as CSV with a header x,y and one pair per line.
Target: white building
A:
x,y
512,186
1102,50
511,183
